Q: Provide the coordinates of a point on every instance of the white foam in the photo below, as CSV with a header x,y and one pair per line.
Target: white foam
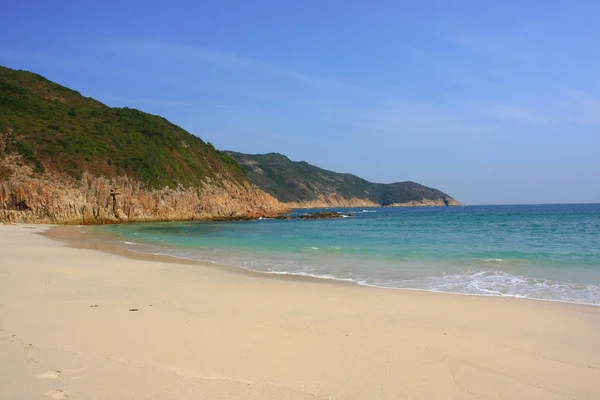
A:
x,y
499,283
485,281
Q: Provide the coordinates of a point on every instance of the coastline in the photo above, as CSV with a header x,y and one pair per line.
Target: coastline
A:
x,y
66,330
67,235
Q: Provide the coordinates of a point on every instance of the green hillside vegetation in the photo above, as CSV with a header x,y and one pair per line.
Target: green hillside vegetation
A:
x,y
57,129
291,181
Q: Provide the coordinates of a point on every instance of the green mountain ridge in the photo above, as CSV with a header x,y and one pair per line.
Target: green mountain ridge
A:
x,y
57,128
298,182
66,158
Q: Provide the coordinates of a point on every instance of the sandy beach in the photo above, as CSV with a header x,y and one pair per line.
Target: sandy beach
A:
x,y
84,324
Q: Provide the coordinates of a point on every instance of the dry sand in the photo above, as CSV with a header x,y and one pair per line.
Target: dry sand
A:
x,y
67,332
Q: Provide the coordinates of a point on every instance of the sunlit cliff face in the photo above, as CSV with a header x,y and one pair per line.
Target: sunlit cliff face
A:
x,y
26,196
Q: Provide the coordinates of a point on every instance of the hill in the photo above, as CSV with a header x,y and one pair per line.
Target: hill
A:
x,y
61,154
300,184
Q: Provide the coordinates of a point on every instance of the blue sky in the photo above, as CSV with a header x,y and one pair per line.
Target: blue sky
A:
x,y
492,102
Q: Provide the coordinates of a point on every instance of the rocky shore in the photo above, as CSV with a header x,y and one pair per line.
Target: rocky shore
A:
x,y
317,215
30,197
287,216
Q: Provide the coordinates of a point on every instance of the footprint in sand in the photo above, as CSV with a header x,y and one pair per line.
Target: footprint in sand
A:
x,y
49,375
57,394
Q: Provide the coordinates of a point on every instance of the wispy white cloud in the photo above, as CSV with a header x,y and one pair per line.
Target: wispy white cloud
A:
x,y
510,113
463,119
405,118
490,102
221,59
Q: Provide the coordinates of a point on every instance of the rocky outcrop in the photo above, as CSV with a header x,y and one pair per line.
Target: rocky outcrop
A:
x,y
446,201
317,215
333,201
66,158
26,196
449,201
322,215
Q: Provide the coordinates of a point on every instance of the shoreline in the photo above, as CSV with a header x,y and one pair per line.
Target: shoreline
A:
x,y
10,216
86,324
65,234
55,233
61,234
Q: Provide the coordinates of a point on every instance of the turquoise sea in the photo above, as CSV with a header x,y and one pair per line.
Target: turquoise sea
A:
x,y
549,252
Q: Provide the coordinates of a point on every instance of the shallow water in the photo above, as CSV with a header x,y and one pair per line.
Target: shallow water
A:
x,y
549,252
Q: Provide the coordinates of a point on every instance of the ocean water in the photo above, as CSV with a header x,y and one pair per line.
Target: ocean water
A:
x,y
547,252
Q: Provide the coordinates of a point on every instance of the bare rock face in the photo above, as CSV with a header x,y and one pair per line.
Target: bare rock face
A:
x,y
452,202
335,201
443,202
54,198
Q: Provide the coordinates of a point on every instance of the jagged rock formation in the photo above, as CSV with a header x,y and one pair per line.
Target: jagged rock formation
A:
x,y
302,185
56,198
65,158
322,215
